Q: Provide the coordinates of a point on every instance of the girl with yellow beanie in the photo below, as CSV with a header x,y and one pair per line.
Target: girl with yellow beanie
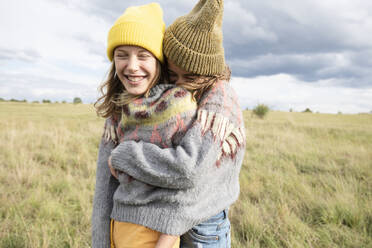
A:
x,y
176,177
132,91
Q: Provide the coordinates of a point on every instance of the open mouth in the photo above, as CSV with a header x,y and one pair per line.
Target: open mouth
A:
x,y
134,79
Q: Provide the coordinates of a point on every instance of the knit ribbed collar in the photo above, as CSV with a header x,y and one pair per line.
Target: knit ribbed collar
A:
x,y
156,91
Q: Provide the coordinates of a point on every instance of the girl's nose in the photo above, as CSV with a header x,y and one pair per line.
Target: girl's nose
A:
x,y
133,64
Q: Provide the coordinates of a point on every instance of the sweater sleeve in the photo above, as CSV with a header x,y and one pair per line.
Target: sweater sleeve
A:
x,y
166,167
103,197
184,165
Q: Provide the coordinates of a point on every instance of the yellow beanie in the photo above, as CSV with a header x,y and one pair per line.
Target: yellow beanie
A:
x,y
194,41
139,26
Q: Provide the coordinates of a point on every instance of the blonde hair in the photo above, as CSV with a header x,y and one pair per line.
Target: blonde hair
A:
x,y
114,95
202,83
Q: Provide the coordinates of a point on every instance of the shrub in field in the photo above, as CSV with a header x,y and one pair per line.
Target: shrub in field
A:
x,y
46,101
307,110
261,110
77,100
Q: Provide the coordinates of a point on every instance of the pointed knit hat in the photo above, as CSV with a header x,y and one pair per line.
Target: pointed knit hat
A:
x,y
138,26
194,41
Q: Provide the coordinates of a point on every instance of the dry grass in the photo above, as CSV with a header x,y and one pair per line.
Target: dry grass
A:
x,y
47,174
306,180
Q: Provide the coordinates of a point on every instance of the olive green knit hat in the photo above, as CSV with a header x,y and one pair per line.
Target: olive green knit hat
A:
x,y
194,41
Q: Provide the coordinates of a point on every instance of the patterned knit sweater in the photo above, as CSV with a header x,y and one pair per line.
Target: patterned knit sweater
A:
x,y
161,118
186,181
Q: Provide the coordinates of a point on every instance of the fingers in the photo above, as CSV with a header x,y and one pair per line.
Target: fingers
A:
x,y
112,170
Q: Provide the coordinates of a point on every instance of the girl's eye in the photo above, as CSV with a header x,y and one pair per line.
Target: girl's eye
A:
x,y
144,55
121,55
172,77
172,74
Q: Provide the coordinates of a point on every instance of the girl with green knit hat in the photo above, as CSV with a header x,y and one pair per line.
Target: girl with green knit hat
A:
x,y
181,184
194,51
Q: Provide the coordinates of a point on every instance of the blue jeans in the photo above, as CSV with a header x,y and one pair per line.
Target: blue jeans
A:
x,y
212,233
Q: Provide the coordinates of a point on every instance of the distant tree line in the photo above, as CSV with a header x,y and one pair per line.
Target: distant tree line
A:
x,y
12,100
76,100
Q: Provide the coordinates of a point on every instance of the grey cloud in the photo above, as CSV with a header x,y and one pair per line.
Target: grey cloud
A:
x,y
111,10
32,87
275,30
307,44
308,67
29,81
94,47
301,38
23,55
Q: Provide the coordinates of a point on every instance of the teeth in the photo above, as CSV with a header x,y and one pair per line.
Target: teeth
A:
x,y
135,79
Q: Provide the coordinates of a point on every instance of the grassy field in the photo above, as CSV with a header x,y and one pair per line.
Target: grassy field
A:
x,y
306,180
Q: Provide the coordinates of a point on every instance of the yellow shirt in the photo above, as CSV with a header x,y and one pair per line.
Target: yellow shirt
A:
x,y
129,235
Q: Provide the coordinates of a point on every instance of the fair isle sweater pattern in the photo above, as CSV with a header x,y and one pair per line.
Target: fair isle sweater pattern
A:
x,y
231,134
232,137
161,118
171,107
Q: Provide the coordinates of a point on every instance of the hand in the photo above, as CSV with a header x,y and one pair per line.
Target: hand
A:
x,y
114,173
166,241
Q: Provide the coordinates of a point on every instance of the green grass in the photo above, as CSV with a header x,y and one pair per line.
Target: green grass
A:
x,y
306,179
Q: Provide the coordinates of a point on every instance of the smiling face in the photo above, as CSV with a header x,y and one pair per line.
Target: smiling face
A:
x,y
136,68
179,76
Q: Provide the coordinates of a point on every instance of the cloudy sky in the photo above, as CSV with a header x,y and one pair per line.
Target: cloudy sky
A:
x,y
313,54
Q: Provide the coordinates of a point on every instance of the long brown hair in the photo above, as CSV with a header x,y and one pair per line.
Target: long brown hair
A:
x,y
114,95
202,83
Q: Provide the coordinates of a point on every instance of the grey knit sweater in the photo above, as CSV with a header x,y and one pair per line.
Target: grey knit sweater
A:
x,y
176,187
